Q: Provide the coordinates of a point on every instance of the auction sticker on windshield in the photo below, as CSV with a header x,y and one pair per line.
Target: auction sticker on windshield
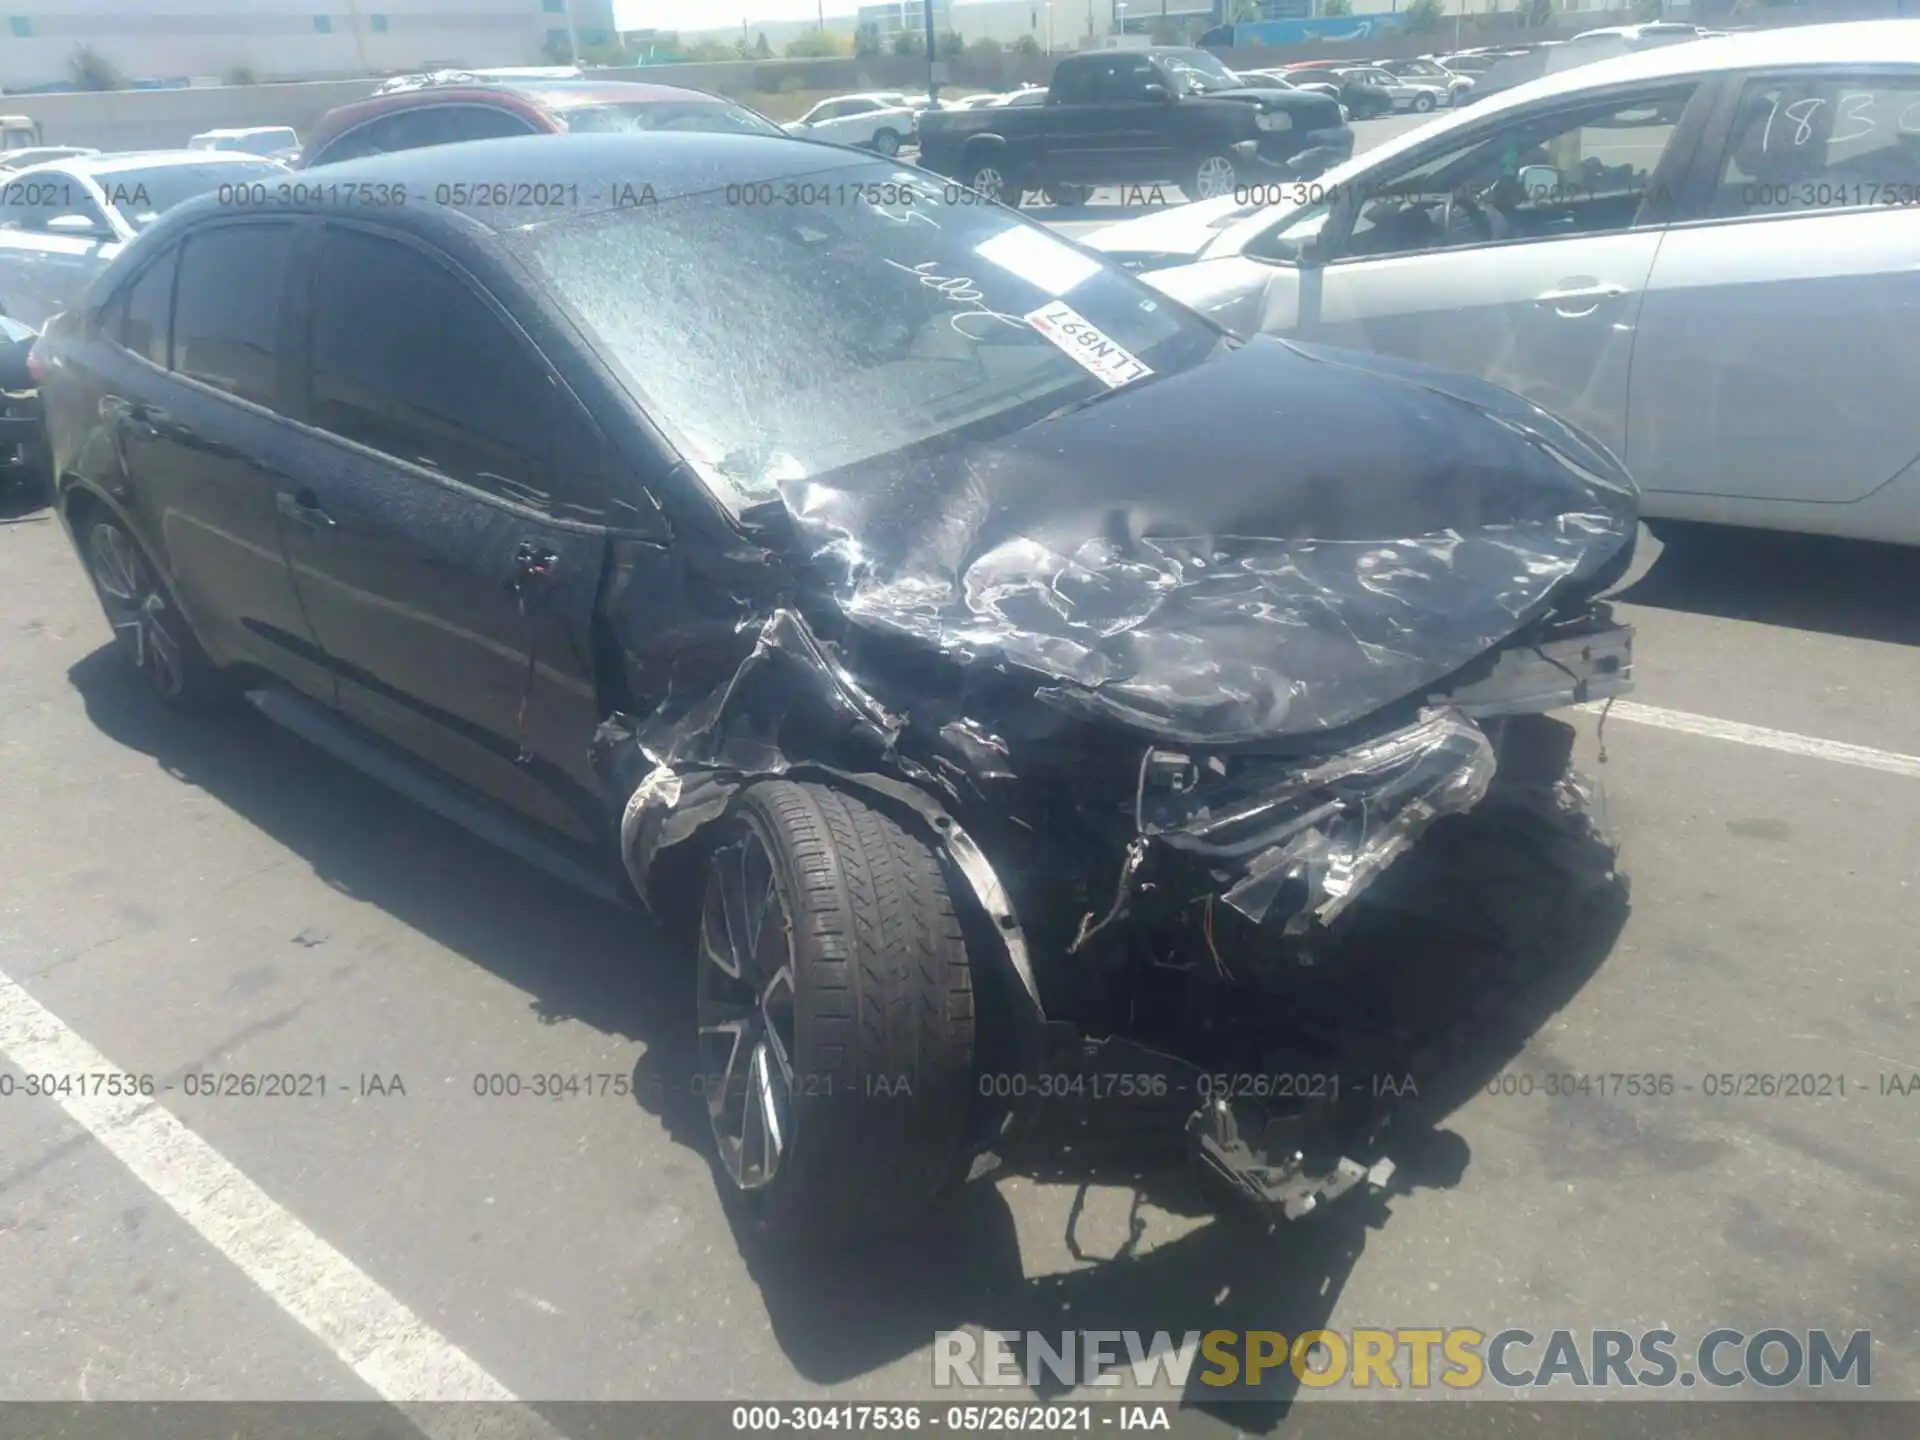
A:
x,y
1083,340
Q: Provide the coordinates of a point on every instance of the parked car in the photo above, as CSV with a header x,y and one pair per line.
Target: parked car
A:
x,y
62,223
1277,80
1037,95
1361,99
40,154
1155,114
449,107
800,610
1700,254
1403,92
881,123
20,132
1426,70
274,142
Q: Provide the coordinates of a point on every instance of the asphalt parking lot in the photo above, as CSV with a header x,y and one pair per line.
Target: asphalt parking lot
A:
x,y
190,896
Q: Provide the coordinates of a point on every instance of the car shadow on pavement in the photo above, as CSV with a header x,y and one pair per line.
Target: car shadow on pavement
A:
x,y
580,959
1852,588
1484,932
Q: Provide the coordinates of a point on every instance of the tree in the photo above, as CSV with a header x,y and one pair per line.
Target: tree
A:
x,y
90,70
1337,7
1244,12
819,45
1028,46
1537,13
866,39
761,49
908,42
949,45
1423,17
242,75
986,63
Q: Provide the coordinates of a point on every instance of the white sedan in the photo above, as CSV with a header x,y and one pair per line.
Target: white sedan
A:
x,y
1707,256
880,122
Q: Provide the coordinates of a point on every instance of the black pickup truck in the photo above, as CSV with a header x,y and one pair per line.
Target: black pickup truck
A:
x,y
1149,116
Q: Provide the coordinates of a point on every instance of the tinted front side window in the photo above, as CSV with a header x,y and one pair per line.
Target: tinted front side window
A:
x,y
407,360
226,313
140,320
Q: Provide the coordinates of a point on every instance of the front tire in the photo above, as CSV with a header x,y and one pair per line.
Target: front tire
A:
x,y
887,143
1422,103
836,1016
1213,177
147,626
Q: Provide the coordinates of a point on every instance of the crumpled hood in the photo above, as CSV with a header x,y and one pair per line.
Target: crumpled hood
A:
x,y
1281,540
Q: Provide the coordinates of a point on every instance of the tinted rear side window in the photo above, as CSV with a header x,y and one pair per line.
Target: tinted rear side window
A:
x,y
141,317
407,360
226,313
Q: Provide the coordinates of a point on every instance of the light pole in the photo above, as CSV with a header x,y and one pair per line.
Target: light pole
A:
x,y
1120,19
933,66
1049,27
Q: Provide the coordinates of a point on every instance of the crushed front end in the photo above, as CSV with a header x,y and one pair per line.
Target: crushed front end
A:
x,y
1168,717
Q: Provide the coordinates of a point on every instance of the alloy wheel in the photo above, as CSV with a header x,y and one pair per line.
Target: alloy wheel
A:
x,y
1214,178
746,1012
136,608
989,183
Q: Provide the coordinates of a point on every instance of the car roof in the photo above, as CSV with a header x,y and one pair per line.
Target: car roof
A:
x,y
225,131
116,161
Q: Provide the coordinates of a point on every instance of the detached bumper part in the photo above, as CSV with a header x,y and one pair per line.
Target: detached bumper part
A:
x,y
1274,1177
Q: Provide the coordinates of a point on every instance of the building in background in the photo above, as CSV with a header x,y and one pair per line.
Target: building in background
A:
x,y
890,17
176,42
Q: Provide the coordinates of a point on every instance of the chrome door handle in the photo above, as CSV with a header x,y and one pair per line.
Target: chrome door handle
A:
x,y
303,508
1593,294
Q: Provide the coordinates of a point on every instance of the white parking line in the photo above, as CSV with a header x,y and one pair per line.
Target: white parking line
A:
x,y
1888,761
396,1353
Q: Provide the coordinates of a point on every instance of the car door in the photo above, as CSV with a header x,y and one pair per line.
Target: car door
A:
x,y
445,546
194,390
1776,358
1519,253
851,122
1093,137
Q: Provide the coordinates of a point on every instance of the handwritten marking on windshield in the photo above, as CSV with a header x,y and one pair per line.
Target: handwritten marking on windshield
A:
x,y
961,290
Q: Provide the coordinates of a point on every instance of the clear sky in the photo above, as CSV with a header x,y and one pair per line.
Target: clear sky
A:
x,y
711,14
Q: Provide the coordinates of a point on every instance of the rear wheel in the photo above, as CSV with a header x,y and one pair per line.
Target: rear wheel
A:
x,y
1422,103
1213,177
994,181
887,142
150,630
836,1016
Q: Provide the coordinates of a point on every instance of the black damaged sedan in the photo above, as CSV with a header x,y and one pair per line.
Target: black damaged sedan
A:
x,y
1002,679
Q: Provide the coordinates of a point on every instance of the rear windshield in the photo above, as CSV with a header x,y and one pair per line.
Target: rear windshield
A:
x,y
785,329
639,115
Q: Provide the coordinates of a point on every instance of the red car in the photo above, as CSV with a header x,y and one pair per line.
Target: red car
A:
x,y
440,110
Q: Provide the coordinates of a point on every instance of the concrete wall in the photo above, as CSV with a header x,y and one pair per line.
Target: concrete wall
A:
x,y
162,119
